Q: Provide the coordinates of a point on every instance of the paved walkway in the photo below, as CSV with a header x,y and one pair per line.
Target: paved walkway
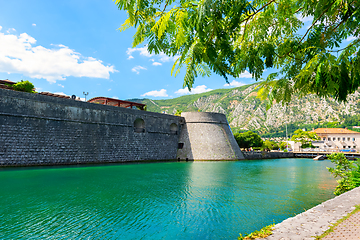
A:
x,y
347,230
317,220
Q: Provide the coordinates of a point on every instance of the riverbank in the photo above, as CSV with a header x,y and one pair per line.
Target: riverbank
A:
x,y
315,221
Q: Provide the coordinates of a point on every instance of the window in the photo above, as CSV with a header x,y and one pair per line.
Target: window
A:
x,y
173,129
354,146
329,139
348,139
339,139
139,125
354,139
344,147
334,139
324,138
349,147
343,139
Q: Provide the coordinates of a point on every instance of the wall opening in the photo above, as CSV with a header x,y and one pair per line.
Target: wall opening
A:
x,y
139,125
174,129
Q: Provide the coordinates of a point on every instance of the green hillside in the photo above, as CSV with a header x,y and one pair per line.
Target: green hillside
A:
x,y
245,111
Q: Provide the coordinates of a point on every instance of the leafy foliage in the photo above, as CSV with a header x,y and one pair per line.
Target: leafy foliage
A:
x,y
304,137
248,139
230,37
178,113
264,232
23,86
348,171
270,145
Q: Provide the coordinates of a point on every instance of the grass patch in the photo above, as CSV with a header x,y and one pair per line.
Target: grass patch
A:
x,y
334,225
264,232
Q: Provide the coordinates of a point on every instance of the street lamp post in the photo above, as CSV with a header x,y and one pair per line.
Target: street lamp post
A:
x,y
85,94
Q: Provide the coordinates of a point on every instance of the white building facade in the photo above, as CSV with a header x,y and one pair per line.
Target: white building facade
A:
x,y
336,139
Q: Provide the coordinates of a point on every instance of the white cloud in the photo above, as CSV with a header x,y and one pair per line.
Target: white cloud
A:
x,y
156,64
109,89
19,55
11,30
0,28
34,24
195,90
161,93
165,58
245,74
137,69
144,52
61,85
350,38
115,97
234,83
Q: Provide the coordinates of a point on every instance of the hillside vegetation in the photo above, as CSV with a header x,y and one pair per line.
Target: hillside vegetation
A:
x,y
245,111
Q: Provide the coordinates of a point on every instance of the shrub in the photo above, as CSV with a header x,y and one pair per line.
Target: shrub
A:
x,y
348,171
24,86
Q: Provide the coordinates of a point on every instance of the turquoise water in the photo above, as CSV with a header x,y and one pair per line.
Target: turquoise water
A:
x,y
174,200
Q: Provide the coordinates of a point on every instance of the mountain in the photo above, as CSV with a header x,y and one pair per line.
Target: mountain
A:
x,y
245,111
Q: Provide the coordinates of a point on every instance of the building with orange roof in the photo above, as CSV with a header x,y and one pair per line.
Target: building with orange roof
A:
x,y
338,138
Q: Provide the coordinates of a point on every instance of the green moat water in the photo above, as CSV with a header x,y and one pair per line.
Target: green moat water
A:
x,y
174,200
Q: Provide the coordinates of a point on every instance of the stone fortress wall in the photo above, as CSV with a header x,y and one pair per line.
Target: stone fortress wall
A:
x,y
207,136
43,130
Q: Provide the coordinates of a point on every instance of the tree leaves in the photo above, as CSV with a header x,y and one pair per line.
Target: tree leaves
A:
x,y
229,37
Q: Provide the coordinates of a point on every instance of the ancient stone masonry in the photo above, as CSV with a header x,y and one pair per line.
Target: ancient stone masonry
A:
x,y
41,130
207,136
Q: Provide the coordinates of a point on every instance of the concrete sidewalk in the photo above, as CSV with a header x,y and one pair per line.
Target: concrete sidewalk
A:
x,y
317,220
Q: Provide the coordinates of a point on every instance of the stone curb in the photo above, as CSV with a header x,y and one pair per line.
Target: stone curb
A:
x,y
318,219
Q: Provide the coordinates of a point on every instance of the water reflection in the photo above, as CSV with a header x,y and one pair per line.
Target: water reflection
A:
x,y
194,200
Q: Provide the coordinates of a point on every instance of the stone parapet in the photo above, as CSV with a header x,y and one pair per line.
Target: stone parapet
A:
x,y
44,130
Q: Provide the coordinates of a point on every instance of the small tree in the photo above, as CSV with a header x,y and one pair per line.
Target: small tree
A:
x,y
348,172
304,137
270,145
283,145
248,139
24,86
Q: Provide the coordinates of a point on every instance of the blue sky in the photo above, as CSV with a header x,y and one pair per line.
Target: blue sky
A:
x,y
72,46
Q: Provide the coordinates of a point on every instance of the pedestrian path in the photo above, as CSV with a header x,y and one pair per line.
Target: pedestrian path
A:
x,y
347,230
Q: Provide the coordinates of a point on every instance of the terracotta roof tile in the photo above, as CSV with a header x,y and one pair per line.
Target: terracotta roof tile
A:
x,y
333,130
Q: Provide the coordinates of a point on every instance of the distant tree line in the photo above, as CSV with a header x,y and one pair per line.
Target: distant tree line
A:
x,y
249,139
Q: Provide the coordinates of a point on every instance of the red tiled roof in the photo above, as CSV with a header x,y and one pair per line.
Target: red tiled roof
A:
x,y
7,81
54,95
333,130
115,102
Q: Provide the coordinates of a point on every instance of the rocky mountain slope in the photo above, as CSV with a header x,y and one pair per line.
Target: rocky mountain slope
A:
x,y
245,111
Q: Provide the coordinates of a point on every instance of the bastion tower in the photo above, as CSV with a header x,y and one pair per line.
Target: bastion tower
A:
x,y
207,136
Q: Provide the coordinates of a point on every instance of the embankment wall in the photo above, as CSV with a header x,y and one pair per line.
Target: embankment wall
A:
x,y
267,155
42,130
